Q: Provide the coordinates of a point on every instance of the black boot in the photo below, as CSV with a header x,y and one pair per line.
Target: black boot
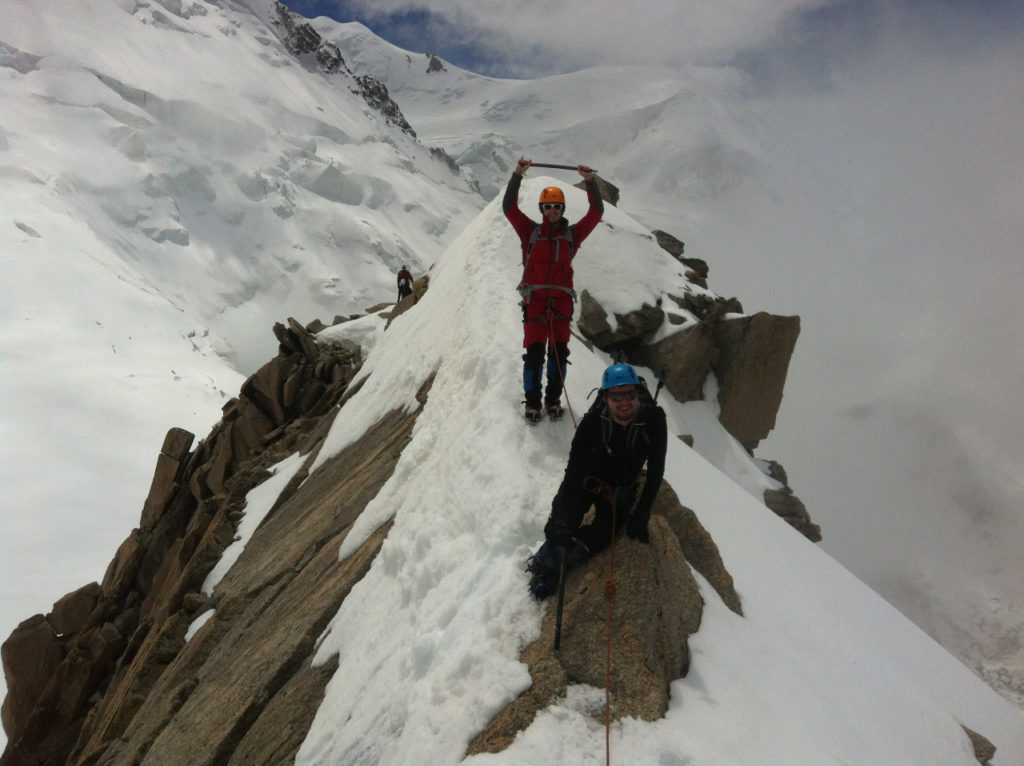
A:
x,y
543,566
555,375
533,368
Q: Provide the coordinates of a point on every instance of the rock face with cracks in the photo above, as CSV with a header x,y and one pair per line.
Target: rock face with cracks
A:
x,y
654,605
107,676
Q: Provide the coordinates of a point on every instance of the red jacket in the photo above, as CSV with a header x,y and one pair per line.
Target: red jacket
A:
x,y
549,262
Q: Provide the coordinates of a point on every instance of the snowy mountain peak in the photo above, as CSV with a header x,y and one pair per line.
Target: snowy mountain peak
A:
x,y
303,40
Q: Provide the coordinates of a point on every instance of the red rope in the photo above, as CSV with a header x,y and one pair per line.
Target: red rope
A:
x,y
549,313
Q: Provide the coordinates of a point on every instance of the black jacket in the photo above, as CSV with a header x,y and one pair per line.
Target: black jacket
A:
x,y
616,454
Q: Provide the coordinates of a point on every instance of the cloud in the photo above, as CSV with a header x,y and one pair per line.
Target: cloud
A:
x,y
527,38
781,43
889,214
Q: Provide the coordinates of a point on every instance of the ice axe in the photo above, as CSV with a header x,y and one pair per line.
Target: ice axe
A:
x,y
561,596
557,167
661,382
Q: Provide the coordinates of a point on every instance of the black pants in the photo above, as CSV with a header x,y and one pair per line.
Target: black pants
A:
x,y
569,508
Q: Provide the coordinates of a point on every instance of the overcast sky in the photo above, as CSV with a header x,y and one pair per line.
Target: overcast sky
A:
x,y
801,40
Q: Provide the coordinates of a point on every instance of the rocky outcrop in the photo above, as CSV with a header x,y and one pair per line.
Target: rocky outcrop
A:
x,y
91,680
243,689
630,330
684,359
670,244
301,39
697,270
31,657
375,93
653,617
747,355
434,64
751,366
304,42
788,506
984,750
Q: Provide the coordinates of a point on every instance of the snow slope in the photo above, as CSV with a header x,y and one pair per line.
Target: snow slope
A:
x,y
820,670
172,183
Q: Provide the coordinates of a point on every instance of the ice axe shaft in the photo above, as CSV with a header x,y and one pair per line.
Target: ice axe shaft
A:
x,y
561,596
559,167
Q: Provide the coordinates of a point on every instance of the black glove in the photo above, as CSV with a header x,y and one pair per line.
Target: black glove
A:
x,y
636,527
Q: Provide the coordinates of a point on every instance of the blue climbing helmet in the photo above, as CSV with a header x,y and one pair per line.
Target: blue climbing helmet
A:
x,y
619,375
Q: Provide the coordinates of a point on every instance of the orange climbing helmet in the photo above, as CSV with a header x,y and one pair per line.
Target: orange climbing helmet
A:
x,y
552,194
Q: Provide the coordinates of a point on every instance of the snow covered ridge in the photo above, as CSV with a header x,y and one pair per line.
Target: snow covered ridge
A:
x,y
177,180
334,576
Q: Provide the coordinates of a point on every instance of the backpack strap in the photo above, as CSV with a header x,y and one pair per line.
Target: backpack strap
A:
x,y
535,235
634,431
526,290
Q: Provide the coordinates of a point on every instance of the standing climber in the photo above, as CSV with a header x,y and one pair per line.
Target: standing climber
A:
x,y
404,282
547,290
622,432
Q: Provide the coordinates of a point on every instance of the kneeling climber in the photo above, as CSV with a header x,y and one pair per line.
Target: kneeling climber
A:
x,y
623,431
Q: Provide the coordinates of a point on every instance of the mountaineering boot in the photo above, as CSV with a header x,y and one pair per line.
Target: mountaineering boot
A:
x,y
543,566
555,376
543,580
554,410
533,367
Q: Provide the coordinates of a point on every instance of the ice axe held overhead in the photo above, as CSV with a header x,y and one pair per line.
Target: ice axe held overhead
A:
x,y
559,167
523,164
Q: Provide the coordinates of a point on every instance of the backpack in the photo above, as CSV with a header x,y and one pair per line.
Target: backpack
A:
x,y
525,290
535,235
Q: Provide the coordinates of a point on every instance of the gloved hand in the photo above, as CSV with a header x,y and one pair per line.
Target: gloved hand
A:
x,y
558,533
636,527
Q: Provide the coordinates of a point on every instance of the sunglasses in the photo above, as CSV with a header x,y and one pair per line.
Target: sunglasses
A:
x,y
552,206
620,396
